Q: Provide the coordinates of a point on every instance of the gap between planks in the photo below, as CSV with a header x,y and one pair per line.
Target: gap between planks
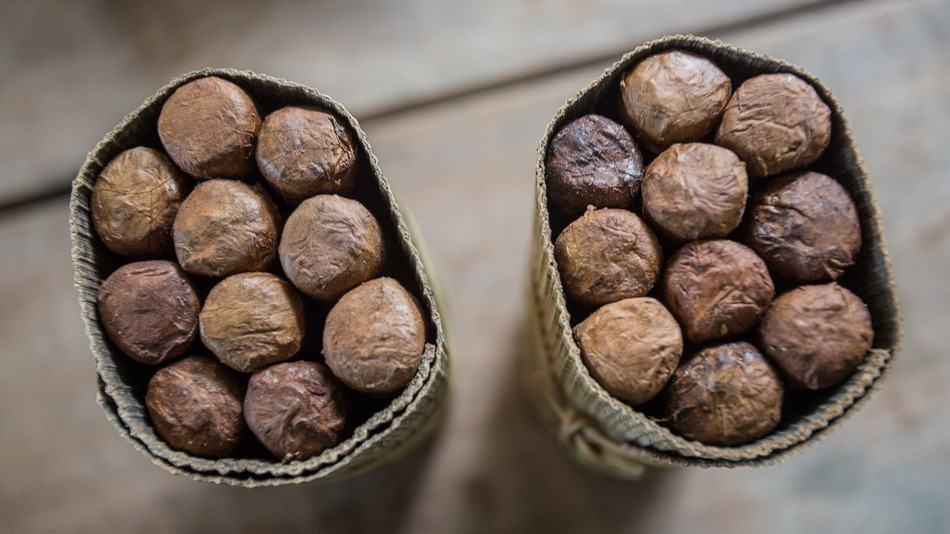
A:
x,y
61,187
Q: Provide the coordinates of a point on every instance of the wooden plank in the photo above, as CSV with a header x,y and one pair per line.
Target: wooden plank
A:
x,y
74,69
466,170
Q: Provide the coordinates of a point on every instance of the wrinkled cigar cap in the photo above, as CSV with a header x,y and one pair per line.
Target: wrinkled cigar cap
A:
x,y
296,409
805,227
250,320
225,227
304,152
209,128
631,347
775,123
374,337
695,191
195,406
673,97
149,310
818,335
725,395
716,288
607,255
135,200
331,244
593,161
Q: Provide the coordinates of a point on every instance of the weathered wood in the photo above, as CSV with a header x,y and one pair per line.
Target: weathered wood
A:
x,y
466,171
74,69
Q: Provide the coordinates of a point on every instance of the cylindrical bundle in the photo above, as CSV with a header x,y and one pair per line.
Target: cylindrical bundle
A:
x,y
613,436
401,421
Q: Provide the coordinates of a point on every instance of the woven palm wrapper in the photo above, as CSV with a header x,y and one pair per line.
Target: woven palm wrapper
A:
x,y
121,383
604,433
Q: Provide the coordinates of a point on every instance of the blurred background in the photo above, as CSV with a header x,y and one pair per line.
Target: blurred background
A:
x,y
454,97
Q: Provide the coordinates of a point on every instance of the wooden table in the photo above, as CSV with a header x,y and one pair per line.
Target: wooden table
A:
x,y
454,101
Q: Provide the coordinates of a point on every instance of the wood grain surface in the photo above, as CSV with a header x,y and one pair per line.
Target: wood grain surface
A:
x,y
72,70
465,168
